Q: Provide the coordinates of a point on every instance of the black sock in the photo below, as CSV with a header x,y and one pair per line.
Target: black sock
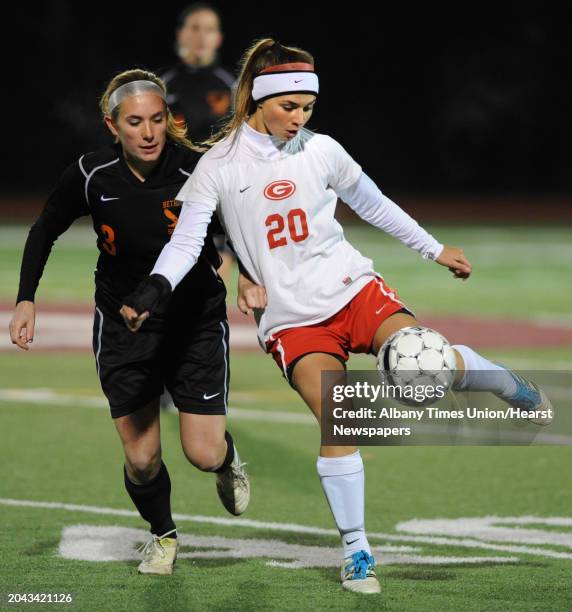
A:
x,y
153,500
229,453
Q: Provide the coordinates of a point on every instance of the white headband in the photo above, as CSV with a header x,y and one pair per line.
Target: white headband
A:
x,y
284,79
134,88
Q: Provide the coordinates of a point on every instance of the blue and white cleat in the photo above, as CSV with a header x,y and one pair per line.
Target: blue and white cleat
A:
x,y
358,573
529,397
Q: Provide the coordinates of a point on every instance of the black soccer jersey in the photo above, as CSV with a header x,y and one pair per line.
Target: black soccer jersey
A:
x,y
198,95
133,220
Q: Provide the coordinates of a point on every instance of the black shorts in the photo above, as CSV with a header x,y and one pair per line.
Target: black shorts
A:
x,y
189,359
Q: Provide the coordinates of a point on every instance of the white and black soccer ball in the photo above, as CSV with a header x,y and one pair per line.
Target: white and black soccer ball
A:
x,y
417,356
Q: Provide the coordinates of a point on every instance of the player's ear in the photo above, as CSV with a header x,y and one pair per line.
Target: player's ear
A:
x,y
111,126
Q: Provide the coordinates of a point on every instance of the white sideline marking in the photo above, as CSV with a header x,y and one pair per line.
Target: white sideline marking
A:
x,y
275,416
533,364
296,528
74,331
50,397
485,528
95,543
53,398
550,319
53,330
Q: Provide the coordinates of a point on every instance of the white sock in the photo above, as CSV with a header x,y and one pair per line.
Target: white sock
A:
x,y
484,375
343,481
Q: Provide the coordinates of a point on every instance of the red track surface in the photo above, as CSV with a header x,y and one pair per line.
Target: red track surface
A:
x,y
492,333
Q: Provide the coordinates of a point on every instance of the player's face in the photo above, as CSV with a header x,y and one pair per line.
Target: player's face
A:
x,y
141,126
200,37
284,116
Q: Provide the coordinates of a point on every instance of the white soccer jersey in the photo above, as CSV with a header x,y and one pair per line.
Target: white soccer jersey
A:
x,y
276,201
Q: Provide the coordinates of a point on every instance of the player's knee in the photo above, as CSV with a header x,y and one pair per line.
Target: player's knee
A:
x,y
205,458
143,467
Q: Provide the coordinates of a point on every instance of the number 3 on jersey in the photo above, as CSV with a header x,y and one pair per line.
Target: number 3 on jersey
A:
x,y
109,244
297,228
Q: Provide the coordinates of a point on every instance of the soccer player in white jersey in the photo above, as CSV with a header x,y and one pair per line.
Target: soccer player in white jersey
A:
x,y
275,185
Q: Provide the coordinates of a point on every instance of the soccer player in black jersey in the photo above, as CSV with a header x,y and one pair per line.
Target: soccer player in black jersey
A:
x,y
129,191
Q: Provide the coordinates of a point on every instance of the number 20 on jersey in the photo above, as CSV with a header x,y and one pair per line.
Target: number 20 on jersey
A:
x,y
297,228
295,219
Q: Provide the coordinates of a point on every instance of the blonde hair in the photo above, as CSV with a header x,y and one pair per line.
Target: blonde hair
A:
x,y
261,54
175,131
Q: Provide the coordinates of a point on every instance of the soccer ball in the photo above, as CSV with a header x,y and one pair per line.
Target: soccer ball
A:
x,y
420,362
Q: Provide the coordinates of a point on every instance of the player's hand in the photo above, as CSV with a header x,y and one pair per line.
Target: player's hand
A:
x,y
132,319
138,306
250,295
454,259
22,324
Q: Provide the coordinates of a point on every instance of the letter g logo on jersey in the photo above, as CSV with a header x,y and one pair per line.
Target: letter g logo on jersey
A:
x,y
279,190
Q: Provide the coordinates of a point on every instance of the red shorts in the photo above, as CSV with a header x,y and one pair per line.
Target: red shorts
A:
x,y
351,329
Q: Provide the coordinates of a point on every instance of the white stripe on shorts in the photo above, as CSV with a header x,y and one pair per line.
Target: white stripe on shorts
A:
x,y
98,338
379,280
280,349
225,348
391,295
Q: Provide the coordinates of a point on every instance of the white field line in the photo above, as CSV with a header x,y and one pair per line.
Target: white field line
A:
x,y
112,543
53,398
44,395
74,331
550,319
49,397
533,364
296,528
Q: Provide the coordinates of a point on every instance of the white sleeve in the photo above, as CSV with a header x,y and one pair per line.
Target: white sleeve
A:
x,y
365,198
199,197
344,171
201,186
180,254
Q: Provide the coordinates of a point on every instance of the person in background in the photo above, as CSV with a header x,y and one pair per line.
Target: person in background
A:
x,y
200,89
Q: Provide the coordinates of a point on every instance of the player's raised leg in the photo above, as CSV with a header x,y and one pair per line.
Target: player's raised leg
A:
x,y
476,373
148,484
341,473
481,374
210,447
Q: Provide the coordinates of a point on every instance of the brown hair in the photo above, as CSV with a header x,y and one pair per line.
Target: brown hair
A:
x,y
175,131
262,54
191,9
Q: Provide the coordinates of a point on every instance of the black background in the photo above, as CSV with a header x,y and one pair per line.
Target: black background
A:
x,y
468,99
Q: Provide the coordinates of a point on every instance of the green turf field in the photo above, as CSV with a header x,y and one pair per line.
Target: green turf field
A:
x,y
518,272
59,446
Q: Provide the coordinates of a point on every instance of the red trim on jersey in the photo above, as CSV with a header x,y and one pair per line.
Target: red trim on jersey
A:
x,y
298,67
